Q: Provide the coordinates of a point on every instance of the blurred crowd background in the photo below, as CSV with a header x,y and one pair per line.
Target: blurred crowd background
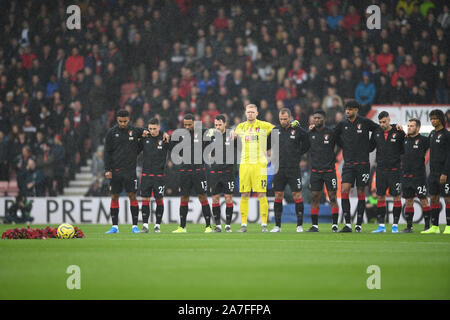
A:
x,y
59,88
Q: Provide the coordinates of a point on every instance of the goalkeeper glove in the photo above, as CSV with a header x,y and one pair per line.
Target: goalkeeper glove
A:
x,y
295,124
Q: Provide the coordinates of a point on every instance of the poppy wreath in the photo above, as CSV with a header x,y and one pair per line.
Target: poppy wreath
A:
x,y
29,233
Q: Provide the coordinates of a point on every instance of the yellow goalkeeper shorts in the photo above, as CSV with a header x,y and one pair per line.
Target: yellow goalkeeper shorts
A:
x,y
253,177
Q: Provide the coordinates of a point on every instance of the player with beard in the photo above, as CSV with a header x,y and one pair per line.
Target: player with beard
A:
x,y
439,179
414,175
121,149
221,172
323,170
192,175
352,134
389,143
293,143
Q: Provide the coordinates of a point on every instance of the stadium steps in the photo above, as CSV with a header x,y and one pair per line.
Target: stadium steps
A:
x,y
83,180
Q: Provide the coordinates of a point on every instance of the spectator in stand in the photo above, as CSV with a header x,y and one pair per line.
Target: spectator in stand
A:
x,y
45,162
427,72
384,91
212,112
287,87
206,82
407,72
384,58
328,100
74,63
444,18
400,93
221,22
58,153
4,157
297,74
415,96
392,74
34,180
98,164
365,93
334,17
352,18
27,57
443,79
186,83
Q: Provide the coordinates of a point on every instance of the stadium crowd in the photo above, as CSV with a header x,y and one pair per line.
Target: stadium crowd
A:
x,y
59,88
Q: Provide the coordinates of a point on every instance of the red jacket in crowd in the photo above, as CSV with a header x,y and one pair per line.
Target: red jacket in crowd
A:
x,y
383,60
27,59
74,64
407,73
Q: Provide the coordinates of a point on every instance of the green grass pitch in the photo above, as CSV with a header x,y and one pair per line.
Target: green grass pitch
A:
x,y
218,266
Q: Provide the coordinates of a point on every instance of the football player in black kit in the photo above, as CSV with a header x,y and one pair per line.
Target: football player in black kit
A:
x,y
221,173
323,170
192,174
155,150
439,179
353,135
389,143
414,175
121,149
293,142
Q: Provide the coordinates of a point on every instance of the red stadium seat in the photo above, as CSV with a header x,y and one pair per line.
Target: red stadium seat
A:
x,y
3,187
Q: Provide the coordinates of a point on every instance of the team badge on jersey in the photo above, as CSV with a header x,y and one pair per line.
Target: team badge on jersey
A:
x,y
130,133
393,137
292,134
359,126
159,144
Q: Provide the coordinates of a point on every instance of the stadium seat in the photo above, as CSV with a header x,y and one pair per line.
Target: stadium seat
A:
x,y
13,189
3,187
125,91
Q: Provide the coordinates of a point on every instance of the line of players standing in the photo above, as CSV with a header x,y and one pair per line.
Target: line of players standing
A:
x,y
400,161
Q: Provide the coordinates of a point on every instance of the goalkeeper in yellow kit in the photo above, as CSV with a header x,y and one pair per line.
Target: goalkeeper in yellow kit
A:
x,y
253,135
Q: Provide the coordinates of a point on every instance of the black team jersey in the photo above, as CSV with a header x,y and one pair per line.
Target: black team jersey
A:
x,y
354,138
155,154
440,152
389,146
415,149
293,143
197,145
322,153
229,151
122,148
